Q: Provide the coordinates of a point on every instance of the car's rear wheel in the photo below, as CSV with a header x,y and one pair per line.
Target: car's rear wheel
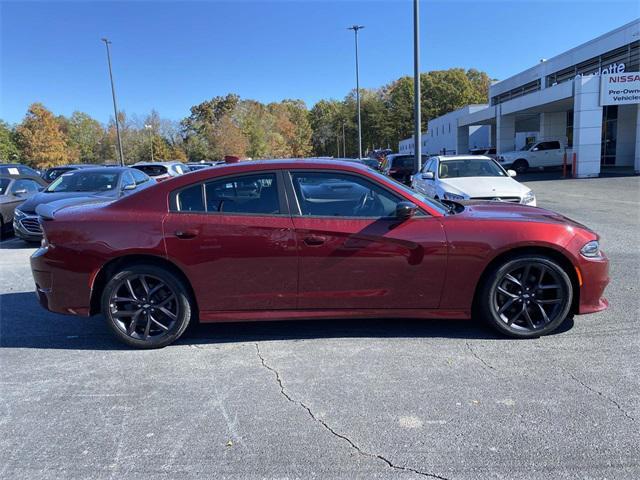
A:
x,y
146,306
520,166
527,296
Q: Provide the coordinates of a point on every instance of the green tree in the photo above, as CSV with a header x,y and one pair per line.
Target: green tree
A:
x,y
84,135
9,151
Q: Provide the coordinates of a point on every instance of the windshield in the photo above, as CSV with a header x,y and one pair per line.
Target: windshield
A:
x,y
4,184
470,168
85,182
152,170
526,147
435,204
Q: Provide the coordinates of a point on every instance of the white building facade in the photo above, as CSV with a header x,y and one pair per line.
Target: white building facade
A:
x,y
589,96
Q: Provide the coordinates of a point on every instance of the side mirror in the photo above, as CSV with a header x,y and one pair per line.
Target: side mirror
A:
x,y
535,149
129,186
427,176
22,191
405,210
512,173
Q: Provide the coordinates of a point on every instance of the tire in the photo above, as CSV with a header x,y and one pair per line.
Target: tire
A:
x,y
520,166
526,309
155,298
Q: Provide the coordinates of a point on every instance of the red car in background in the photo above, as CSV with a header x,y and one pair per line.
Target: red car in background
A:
x,y
314,239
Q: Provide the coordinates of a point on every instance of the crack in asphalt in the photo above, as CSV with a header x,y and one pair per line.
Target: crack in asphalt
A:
x,y
332,431
478,357
601,394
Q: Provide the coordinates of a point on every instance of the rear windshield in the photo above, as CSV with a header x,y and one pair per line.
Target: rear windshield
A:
x,y
403,162
54,173
152,170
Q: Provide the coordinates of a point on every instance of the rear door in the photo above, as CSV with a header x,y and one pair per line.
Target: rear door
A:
x,y
354,254
234,239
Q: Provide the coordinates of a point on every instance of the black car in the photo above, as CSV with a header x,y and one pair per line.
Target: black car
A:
x,y
54,172
17,169
401,167
15,189
90,185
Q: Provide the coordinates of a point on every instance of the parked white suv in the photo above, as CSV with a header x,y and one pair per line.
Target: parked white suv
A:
x,y
549,153
470,177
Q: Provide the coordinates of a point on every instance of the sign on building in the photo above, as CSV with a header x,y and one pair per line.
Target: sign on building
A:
x,y
619,88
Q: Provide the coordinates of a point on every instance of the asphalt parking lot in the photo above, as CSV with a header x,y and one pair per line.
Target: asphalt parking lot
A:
x,y
341,399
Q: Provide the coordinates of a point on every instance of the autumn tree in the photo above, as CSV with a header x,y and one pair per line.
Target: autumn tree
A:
x,y
84,135
40,138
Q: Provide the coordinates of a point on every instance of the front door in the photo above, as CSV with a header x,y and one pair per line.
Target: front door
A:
x,y
233,237
355,255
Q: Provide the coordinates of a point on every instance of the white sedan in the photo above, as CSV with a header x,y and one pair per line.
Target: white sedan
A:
x,y
470,177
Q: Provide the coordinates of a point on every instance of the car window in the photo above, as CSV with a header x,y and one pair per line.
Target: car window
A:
x,y
27,171
139,176
25,184
4,184
470,168
79,181
548,145
152,170
427,165
53,173
404,161
342,195
249,194
127,179
191,199
433,166
179,169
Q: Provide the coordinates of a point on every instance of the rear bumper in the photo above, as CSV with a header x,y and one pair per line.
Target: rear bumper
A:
x,y
60,290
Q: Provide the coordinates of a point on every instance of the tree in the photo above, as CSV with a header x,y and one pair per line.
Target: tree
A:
x,y
39,136
84,137
9,151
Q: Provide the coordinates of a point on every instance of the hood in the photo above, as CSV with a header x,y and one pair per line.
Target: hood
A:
x,y
41,198
514,153
515,212
484,186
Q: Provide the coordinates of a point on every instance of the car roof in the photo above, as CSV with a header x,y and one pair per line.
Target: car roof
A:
x,y
166,163
75,165
444,158
99,169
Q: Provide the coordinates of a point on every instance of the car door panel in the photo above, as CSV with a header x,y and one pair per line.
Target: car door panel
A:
x,y
370,263
236,262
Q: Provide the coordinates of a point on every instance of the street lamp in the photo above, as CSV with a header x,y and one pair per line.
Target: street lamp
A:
x,y
150,128
416,87
115,107
355,29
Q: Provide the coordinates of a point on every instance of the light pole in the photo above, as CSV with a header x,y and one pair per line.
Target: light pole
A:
x,y
115,107
150,128
344,141
416,86
355,29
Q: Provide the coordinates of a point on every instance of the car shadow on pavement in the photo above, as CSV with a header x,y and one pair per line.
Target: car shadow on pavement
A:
x,y
25,324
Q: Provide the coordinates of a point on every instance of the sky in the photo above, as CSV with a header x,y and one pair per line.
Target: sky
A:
x,y
169,56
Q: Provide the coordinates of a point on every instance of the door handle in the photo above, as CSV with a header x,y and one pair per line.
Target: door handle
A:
x,y
185,234
314,240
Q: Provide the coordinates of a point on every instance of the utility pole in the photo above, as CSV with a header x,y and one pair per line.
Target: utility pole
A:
x,y
416,86
115,106
355,29
150,128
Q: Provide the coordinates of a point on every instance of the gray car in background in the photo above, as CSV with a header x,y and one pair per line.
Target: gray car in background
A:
x,y
87,185
15,189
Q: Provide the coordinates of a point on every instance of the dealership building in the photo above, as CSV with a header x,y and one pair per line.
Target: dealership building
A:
x,y
588,96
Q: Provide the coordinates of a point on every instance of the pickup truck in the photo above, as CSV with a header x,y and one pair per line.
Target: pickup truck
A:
x,y
544,154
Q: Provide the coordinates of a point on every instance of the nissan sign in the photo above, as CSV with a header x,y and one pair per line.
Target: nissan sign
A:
x,y
619,88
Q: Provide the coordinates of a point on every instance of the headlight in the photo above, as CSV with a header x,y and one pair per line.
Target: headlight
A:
x,y
591,249
452,196
529,198
17,213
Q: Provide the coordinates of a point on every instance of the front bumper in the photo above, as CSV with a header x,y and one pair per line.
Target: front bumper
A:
x,y
595,278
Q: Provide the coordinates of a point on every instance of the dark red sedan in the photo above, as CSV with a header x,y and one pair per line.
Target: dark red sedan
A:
x,y
312,239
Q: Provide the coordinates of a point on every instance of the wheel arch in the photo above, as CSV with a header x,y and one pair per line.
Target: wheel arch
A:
x,y
116,264
552,253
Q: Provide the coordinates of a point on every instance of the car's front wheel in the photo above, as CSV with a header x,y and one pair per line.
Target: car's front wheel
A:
x,y
146,306
527,296
520,166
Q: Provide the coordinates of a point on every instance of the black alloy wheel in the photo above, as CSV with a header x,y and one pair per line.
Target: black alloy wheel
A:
x,y
528,297
146,306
